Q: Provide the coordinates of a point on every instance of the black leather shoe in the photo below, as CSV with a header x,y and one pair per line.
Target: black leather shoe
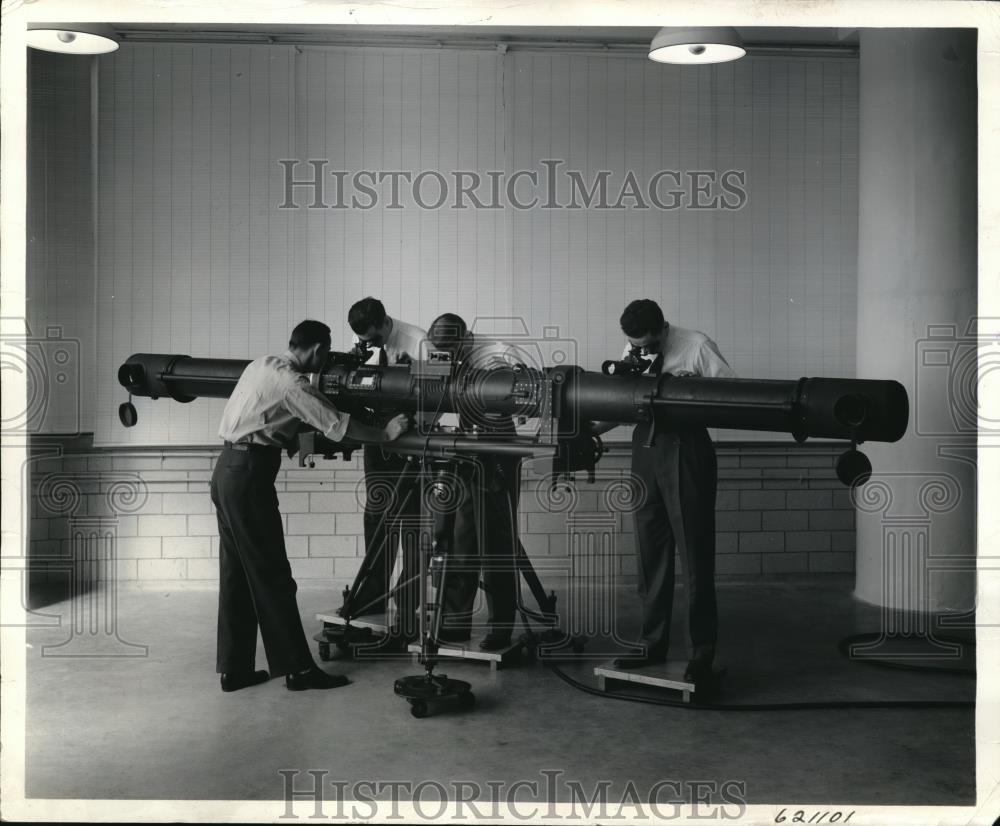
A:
x,y
639,661
236,681
698,670
314,678
495,640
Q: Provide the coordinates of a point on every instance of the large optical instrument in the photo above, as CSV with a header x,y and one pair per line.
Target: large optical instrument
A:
x,y
563,399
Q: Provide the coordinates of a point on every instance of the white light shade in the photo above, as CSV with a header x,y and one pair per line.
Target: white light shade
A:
x,y
73,38
711,45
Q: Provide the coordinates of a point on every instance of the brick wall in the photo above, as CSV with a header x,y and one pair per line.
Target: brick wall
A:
x,y
146,515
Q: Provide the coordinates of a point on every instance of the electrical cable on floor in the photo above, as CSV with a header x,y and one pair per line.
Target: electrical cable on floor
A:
x,y
843,646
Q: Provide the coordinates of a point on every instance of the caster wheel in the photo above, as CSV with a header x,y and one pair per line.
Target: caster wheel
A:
x,y
324,652
343,646
418,708
578,644
467,701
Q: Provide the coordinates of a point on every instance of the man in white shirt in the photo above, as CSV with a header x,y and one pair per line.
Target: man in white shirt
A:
x,y
265,411
677,479
397,343
485,528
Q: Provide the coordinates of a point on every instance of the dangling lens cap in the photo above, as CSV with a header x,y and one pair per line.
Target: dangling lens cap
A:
x,y
127,414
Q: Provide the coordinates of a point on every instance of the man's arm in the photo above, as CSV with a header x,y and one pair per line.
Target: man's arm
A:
x,y
308,404
366,433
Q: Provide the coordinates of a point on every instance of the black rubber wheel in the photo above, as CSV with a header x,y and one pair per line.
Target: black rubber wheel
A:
x,y
343,646
324,652
467,701
418,708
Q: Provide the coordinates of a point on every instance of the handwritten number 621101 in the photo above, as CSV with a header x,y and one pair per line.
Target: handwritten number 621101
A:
x,y
800,816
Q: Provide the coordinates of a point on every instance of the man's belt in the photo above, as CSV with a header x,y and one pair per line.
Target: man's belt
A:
x,y
249,446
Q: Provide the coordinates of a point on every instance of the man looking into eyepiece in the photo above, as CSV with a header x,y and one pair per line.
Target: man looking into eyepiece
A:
x,y
485,527
270,402
676,480
397,343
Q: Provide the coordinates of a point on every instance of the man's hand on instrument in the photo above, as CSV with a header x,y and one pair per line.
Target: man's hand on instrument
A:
x,y
600,428
396,427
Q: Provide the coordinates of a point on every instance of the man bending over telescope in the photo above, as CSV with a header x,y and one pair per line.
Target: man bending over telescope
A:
x,y
270,402
676,479
398,343
485,527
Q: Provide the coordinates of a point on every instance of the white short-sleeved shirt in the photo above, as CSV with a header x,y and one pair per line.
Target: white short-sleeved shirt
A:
x,y
402,345
689,352
269,401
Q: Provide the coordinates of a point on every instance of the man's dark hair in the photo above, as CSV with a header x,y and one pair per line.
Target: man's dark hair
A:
x,y
307,333
367,313
641,318
447,331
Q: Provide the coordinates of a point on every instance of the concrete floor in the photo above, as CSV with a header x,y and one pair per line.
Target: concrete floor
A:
x,y
158,726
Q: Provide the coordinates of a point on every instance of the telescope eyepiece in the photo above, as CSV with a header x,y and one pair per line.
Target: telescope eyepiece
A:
x,y
626,367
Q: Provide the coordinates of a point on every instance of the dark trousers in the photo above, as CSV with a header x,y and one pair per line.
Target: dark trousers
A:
x,y
382,472
484,536
256,587
677,479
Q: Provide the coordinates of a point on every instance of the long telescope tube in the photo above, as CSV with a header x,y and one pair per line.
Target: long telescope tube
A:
x,y
857,409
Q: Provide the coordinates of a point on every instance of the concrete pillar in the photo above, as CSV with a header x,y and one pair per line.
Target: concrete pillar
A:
x,y
916,528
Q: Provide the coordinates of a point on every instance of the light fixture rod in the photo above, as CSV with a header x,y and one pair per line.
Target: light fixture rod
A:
x,y
617,48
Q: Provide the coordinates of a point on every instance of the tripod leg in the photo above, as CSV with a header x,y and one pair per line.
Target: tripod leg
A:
x,y
402,490
433,561
444,529
546,602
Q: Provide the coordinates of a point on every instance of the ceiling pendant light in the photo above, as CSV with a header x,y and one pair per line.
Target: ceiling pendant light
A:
x,y
73,38
707,45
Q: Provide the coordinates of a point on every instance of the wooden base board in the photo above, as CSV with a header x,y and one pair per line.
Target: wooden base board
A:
x,y
471,651
668,675
377,623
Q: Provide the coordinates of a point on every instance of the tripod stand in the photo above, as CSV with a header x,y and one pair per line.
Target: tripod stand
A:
x,y
431,472
443,496
352,624
348,632
422,690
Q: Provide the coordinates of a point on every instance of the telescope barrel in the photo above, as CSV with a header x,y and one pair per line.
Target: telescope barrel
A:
x,y
835,408
180,377
816,407
446,444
